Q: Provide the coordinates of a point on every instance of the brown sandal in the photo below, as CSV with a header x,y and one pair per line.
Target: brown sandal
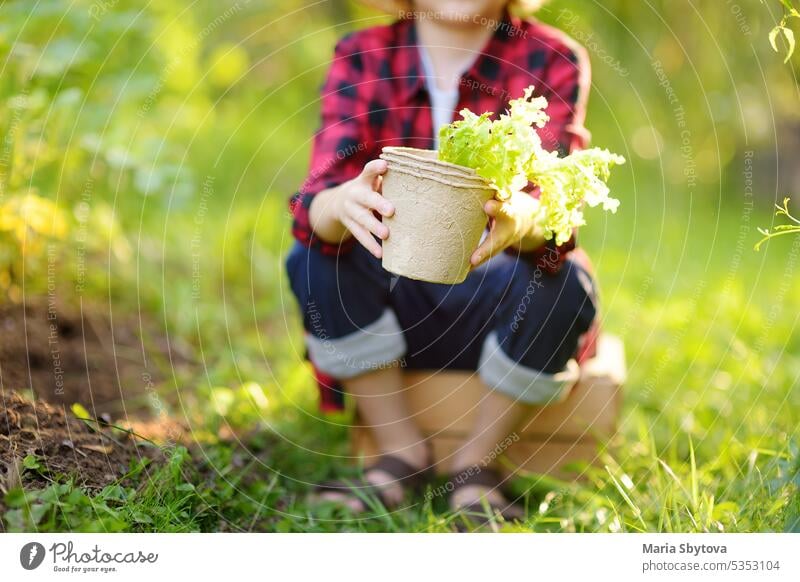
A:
x,y
402,473
484,512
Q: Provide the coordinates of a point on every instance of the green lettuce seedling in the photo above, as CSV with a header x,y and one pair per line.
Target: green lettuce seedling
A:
x,y
508,154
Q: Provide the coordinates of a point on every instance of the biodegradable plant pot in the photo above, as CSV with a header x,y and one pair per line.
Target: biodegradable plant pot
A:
x,y
438,219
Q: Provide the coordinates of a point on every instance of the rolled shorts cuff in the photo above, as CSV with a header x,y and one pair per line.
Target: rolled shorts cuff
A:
x,y
370,348
501,373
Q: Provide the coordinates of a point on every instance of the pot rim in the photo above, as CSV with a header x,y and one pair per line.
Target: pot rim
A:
x,y
424,166
432,173
410,171
428,157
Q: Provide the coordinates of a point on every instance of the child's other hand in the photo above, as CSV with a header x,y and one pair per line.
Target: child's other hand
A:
x,y
511,224
358,199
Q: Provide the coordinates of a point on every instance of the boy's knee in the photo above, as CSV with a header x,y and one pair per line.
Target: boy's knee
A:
x,y
312,278
581,286
311,266
545,315
350,328
340,293
566,297
303,261
311,272
529,354
294,259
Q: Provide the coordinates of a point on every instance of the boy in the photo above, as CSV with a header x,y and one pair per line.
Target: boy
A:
x,y
517,318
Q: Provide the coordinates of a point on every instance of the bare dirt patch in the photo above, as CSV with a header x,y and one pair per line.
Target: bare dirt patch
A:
x,y
92,454
53,356
68,355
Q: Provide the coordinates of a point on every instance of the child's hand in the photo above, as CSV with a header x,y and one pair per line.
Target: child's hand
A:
x,y
349,208
357,201
512,224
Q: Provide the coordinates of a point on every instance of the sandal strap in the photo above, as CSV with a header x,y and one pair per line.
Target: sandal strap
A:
x,y
484,477
476,475
401,471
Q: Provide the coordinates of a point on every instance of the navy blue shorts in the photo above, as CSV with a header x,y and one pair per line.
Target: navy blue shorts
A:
x,y
514,323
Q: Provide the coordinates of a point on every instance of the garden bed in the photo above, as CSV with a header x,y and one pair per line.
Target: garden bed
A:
x,y
53,357
68,355
38,439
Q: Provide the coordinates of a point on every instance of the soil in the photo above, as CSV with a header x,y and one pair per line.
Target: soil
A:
x,y
94,455
67,355
52,356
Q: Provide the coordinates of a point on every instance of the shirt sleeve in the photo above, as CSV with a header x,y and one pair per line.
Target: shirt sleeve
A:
x,y
567,81
339,150
566,86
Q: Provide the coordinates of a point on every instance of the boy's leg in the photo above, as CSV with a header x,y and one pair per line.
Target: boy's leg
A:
x,y
497,417
354,336
528,353
343,300
382,406
524,359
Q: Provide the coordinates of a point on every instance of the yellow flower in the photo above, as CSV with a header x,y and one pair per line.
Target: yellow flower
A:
x,y
25,212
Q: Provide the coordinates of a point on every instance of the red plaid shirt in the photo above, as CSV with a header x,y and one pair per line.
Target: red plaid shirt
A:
x,y
375,96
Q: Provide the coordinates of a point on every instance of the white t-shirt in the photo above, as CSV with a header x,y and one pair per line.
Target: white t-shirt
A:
x,y
443,101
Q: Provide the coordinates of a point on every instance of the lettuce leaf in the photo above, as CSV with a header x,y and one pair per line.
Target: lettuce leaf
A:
x,y
508,154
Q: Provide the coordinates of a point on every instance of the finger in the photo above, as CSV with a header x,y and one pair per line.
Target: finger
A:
x,y
364,237
377,184
372,170
492,207
493,244
374,200
365,218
